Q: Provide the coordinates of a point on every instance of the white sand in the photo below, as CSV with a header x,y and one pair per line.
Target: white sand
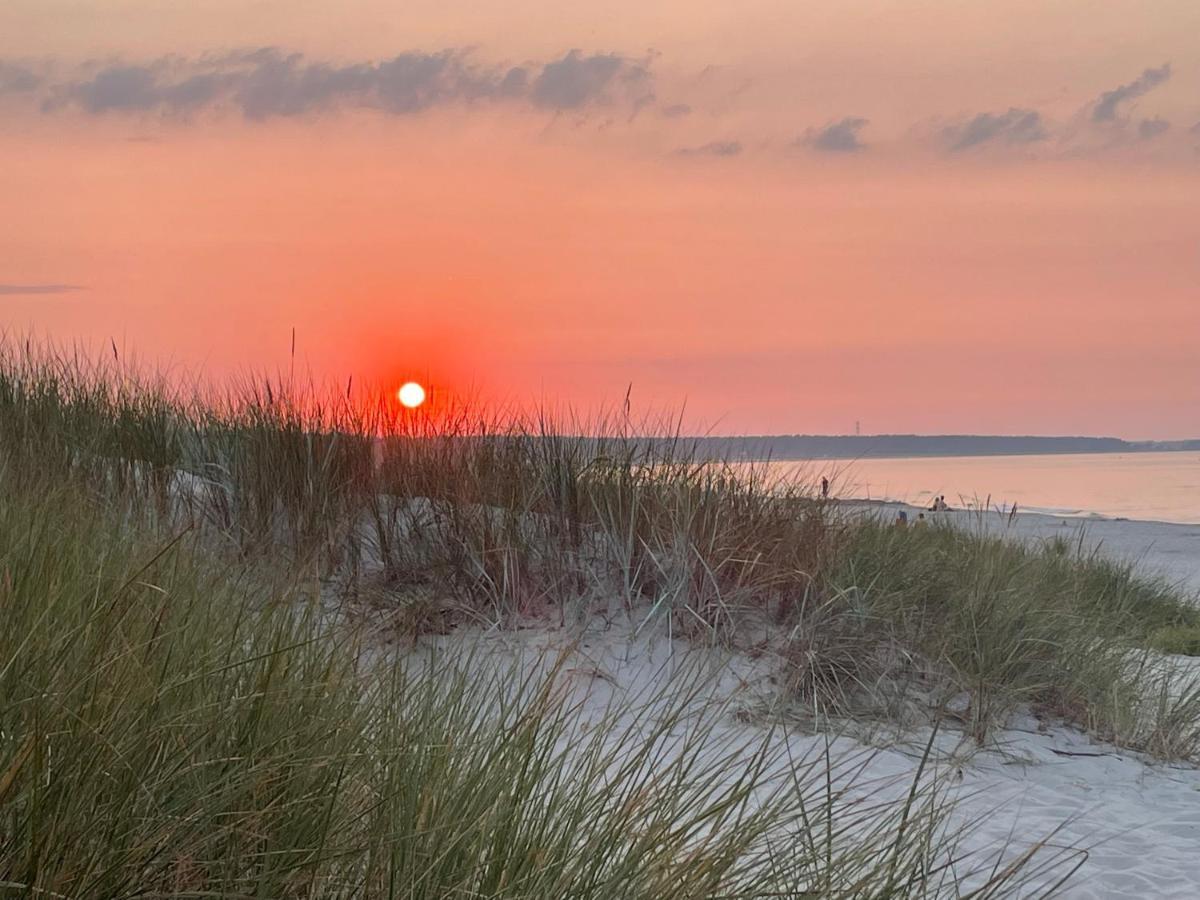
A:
x,y
1137,820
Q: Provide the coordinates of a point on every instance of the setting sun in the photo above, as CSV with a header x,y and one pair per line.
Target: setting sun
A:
x,y
831,355
411,394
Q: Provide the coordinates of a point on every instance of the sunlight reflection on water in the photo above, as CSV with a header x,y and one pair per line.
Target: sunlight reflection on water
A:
x,y
1161,487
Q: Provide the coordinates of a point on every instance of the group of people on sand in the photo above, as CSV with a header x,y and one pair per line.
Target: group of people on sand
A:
x,y
939,505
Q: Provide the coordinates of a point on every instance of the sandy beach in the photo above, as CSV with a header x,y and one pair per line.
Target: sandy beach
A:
x,y
1131,824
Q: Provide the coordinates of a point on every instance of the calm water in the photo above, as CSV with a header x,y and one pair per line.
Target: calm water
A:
x,y
1163,487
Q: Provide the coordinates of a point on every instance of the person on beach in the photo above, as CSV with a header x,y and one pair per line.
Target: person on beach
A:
x,y
824,488
921,521
902,519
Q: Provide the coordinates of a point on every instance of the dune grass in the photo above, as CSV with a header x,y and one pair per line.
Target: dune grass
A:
x,y
465,516
174,728
1052,626
179,717
1179,638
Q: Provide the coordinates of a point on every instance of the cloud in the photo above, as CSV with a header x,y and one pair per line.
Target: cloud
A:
x,y
676,111
713,148
16,79
1016,126
1152,128
577,80
288,86
1106,110
267,83
16,290
118,88
837,137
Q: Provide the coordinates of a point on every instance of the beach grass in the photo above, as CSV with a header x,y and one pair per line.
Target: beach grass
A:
x,y
1002,624
171,727
181,715
1182,639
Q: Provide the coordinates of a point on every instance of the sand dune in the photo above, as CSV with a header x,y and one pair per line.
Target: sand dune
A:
x,y
1131,824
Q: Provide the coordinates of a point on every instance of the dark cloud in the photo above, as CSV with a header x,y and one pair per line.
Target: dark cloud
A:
x,y
267,83
515,83
713,148
1016,126
1152,128
676,111
278,85
1106,110
837,137
577,80
16,79
120,87
11,290
194,91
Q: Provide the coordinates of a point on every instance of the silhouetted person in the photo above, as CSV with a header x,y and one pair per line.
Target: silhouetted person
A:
x,y
824,488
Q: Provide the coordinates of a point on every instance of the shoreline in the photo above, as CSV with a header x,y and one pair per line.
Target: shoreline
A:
x,y
1080,516
1145,487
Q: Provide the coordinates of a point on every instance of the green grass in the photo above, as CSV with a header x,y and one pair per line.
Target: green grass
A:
x,y
1179,639
951,611
178,715
172,728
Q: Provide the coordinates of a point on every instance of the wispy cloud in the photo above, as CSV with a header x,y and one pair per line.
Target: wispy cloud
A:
x,y
1152,128
713,148
1016,126
577,80
1108,104
837,137
267,83
11,290
16,78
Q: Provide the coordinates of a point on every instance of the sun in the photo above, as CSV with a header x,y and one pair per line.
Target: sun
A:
x,y
411,394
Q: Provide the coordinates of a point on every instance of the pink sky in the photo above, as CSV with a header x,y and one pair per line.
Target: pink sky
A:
x,y
924,216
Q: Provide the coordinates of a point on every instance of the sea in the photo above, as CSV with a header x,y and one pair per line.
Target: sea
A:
x,y
1150,486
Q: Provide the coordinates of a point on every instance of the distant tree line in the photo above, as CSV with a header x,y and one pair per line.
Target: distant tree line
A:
x,y
816,446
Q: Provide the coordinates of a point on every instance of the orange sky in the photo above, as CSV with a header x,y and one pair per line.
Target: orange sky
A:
x,y
996,248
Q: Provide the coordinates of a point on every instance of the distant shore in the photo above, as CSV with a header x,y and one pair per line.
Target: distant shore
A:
x,y
898,446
